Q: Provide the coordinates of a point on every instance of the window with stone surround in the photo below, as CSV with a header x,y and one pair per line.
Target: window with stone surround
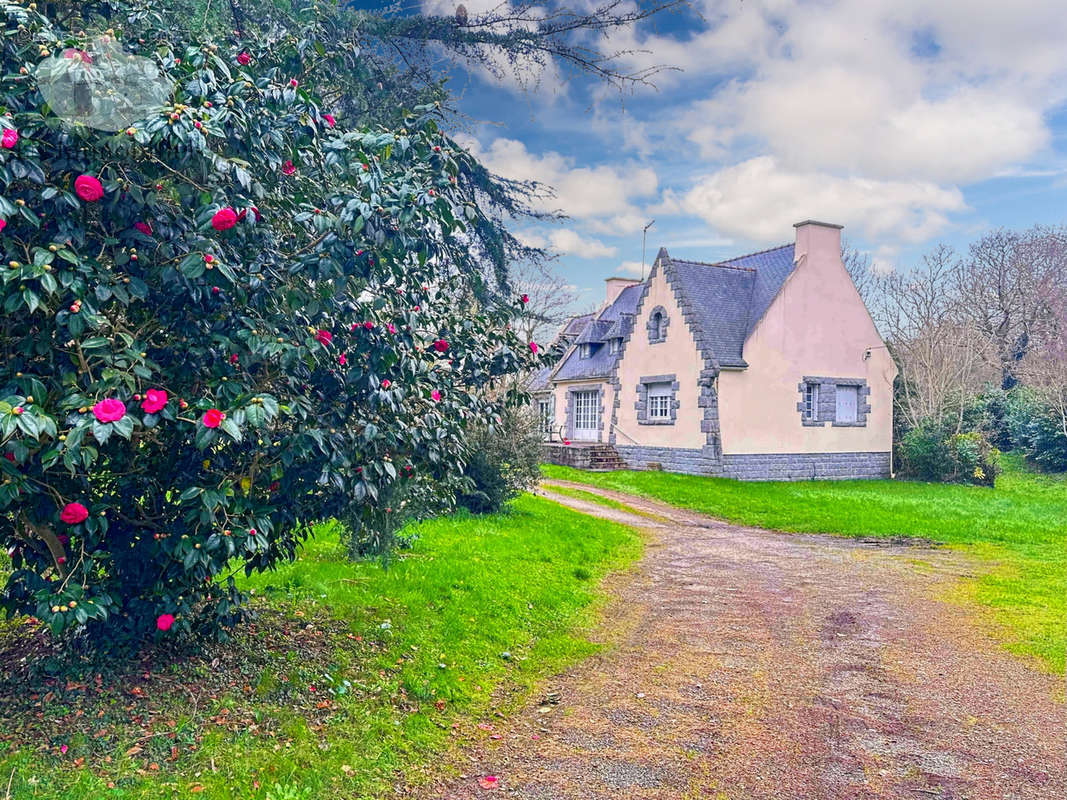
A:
x,y
657,400
842,402
657,325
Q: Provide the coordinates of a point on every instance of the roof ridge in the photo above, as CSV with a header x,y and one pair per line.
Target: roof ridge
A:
x,y
759,252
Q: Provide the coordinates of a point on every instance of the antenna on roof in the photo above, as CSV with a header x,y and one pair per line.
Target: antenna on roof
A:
x,y
644,239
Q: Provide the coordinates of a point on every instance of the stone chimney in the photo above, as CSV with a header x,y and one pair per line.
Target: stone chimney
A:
x,y
816,238
616,285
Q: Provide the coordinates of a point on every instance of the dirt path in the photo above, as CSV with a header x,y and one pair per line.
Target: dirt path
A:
x,y
747,664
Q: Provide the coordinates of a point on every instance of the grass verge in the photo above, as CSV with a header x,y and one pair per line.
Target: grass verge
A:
x,y
354,680
1019,528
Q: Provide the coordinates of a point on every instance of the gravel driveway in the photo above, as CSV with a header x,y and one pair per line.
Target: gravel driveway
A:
x,y
746,664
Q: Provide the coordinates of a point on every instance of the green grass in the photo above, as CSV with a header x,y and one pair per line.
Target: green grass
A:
x,y
478,606
1019,528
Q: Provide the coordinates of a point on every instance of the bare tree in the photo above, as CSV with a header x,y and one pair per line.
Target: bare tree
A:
x,y
1044,369
858,264
550,303
1004,288
943,357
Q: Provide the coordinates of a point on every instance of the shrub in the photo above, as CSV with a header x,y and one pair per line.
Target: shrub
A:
x,y
505,460
1036,430
218,329
931,453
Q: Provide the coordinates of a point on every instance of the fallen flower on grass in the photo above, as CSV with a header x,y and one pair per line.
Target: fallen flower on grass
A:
x,y
489,782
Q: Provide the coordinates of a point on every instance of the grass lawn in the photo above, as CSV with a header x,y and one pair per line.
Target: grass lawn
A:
x,y
1020,528
355,678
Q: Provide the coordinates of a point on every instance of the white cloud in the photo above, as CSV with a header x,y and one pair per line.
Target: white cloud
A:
x,y
633,269
567,242
760,200
603,195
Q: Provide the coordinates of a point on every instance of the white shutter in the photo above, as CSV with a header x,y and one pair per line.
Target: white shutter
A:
x,y
846,403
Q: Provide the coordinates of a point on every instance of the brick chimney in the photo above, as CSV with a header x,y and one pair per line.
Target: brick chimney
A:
x,y
817,237
616,285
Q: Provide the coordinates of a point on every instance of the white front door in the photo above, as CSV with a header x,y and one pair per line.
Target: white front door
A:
x,y
586,416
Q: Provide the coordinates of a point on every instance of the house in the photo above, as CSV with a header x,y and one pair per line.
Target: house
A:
x,y
764,366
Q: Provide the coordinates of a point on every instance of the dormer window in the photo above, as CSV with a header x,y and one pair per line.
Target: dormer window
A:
x,y
585,350
614,345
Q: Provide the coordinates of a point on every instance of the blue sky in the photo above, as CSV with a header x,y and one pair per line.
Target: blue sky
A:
x,y
909,122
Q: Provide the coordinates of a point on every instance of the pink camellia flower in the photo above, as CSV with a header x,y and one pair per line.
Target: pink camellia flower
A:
x,y
386,383
526,298
324,337
390,327
88,188
489,782
10,138
73,513
63,750
212,418
436,395
368,325
109,410
289,168
566,441
329,119
209,259
243,58
440,345
224,219
294,82
10,457
164,622
342,359
81,55
233,358
155,400
3,224
143,227
533,347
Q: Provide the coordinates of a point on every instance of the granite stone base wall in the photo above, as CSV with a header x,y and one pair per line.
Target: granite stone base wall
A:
x,y
671,459
806,466
567,456
758,467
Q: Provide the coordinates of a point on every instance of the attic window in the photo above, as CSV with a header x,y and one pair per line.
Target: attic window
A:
x,y
657,325
613,345
585,350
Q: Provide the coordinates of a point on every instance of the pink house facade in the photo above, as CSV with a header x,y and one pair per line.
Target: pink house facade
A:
x,y
767,366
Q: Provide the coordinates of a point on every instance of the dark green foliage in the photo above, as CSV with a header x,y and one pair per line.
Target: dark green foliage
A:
x,y
932,453
504,460
294,347
1036,430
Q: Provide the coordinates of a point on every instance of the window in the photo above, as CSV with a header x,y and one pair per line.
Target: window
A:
x,y
847,397
657,326
586,415
546,414
585,350
613,345
660,397
811,402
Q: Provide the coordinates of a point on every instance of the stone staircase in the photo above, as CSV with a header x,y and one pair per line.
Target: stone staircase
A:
x,y
593,457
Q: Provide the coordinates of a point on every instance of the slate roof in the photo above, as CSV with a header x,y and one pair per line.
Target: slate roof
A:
x,y
728,298
539,380
724,302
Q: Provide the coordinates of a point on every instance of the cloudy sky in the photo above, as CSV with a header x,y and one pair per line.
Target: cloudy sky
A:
x,y
907,121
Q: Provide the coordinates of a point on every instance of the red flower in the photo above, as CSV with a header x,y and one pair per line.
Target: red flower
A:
x,y
533,347
390,327
109,410
329,119
342,359
155,400
294,82
224,219
243,58
440,345
3,224
165,621
81,55
386,384
209,259
324,338
368,325
212,418
143,227
233,358
436,395
73,513
526,298
489,782
10,457
288,168
10,138
88,188
566,441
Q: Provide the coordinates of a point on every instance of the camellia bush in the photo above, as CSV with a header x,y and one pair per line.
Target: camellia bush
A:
x,y
222,323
